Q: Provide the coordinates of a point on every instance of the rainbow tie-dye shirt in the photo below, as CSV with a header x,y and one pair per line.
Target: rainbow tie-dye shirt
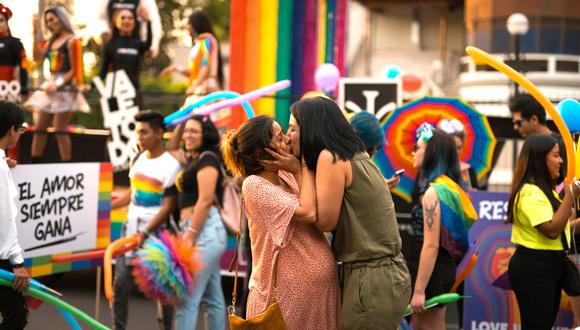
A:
x,y
149,179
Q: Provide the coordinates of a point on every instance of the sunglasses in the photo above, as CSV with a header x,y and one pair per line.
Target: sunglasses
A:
x,y
518,122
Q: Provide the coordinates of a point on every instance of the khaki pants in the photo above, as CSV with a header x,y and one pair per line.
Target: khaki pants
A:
x,y
375,293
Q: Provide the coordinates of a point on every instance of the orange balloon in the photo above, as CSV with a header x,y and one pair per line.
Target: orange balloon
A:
x,y
481,57
107,259
411,83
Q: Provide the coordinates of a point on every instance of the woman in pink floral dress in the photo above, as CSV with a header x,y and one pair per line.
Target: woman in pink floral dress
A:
x,y
281,210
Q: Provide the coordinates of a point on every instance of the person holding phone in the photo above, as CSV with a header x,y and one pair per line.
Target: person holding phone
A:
x,y
368,128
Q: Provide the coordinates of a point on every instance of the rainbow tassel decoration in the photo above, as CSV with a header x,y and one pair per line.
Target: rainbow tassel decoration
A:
x,y
457,216
165,268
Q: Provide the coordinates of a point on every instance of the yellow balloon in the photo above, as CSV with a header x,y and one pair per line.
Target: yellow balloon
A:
x,y
481,57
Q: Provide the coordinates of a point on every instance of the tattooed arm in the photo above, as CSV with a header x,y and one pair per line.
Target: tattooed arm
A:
x,y
430,249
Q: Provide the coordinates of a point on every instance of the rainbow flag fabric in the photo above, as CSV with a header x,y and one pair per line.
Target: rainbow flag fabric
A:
x,y
147,191
457,216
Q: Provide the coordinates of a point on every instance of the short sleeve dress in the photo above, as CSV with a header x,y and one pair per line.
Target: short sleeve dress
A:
x,y
307,281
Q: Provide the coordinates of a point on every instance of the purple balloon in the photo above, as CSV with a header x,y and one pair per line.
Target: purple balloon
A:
x,y
326,77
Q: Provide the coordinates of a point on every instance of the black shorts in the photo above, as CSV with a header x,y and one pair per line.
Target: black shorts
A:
x,y
443,275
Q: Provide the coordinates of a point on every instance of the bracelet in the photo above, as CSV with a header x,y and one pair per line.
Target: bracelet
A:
x,y
147,233
195,232
59,82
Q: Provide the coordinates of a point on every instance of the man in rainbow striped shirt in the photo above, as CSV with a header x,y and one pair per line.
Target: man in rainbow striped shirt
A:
x,y
151,201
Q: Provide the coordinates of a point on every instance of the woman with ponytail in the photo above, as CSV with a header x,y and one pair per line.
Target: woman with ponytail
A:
x,y
280,203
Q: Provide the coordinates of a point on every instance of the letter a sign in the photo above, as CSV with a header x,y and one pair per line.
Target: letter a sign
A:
x,y
377,96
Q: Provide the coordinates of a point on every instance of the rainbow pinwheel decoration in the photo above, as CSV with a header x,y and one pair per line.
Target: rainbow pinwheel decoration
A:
x,y
400,130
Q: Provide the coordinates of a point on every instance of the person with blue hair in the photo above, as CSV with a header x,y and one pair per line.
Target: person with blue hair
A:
x,y
369,130
439,227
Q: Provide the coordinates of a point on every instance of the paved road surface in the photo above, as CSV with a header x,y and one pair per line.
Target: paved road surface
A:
x,y
78,289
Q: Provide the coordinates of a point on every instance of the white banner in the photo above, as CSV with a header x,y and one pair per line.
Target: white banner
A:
x,y
58,207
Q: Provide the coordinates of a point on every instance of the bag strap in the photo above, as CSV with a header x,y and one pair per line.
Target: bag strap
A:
x,y
564,241
223,173
232,308
235,260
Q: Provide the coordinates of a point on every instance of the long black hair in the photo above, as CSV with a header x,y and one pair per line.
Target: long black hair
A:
x,y
201,23
532,168
323,126
440,158
210,137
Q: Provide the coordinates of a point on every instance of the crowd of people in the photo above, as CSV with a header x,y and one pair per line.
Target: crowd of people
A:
x,y
296,186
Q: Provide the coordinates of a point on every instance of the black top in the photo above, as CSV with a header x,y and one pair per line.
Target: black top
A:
x,y
59,59
115,5
12,55
189,192
126,53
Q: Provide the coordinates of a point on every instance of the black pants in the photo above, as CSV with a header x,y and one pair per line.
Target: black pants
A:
x,y
12,306
536,278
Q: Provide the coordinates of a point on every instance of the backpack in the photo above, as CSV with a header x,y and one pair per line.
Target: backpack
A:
x,y
231,205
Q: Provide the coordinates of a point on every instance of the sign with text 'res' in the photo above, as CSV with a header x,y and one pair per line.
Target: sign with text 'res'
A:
x,y
491,303
377,96
58,207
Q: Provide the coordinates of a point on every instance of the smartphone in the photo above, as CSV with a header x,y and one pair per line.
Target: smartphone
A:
x,y
400,172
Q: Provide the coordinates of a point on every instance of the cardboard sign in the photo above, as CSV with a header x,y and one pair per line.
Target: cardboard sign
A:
x,y
62,208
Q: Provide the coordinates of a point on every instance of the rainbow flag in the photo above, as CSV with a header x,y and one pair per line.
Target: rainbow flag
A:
x,y
273,40
457,216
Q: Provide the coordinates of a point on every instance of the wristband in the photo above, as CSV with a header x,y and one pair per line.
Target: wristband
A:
x,y
20,265
59,82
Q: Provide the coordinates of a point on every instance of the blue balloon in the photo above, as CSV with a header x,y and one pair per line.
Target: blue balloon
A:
x,y
392,71
570,111
205,100
72,322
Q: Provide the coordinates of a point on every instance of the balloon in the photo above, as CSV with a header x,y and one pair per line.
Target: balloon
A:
x,y
185,112
326,77
59,304
445,298
391,71
4,274
411,83
95,254
107,259
481,57
283,84
72,322
569,109
461,276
